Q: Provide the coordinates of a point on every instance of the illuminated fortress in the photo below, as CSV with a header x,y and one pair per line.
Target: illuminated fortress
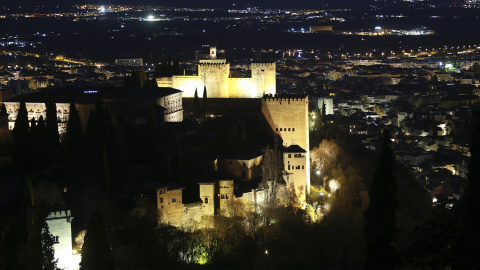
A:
x,y
214,74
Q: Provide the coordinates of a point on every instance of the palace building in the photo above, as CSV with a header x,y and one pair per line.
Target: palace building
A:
x,y
237,187
214,75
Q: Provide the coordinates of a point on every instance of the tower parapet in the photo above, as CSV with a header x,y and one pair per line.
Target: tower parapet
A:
x,y
284,97
264,77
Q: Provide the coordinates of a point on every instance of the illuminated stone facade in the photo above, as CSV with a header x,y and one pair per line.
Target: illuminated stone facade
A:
x,y
60,226
169,99
214,74
37,109
216,197
288,117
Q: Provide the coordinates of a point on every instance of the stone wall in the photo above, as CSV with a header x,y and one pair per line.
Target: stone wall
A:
x,y
215,77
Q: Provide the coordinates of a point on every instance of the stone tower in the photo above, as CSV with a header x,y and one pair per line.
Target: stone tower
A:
x,y
207,194
214,76
288,117
225,190
60,226
264,78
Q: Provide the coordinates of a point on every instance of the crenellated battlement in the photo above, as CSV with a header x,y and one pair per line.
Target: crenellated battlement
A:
x,y
265,64
213,64
285,97
59,214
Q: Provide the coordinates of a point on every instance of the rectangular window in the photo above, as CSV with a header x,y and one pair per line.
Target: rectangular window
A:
x,y
161,200
173,200
288,129
289,155
303,167
289,167
293,129
277,129
298,167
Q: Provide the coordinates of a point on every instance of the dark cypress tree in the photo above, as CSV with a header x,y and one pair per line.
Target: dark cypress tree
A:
x,y
204,98
176,161
74,139
53,137
9,241
21,138
324,113
196,102
176,69
142,78
151,146
40,242
468,243
33,125
96,252
93,140
380,214
40,145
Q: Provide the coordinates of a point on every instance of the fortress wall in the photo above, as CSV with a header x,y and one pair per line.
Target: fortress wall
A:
x,y
187,84
242,88
165,82
192,215
288,117
264,78
215,78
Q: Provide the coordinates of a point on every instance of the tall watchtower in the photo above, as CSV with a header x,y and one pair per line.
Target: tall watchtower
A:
x,y
288,117
214,76
264,78
60,226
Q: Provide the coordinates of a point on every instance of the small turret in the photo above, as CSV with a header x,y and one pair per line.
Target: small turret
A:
x,y
213,52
